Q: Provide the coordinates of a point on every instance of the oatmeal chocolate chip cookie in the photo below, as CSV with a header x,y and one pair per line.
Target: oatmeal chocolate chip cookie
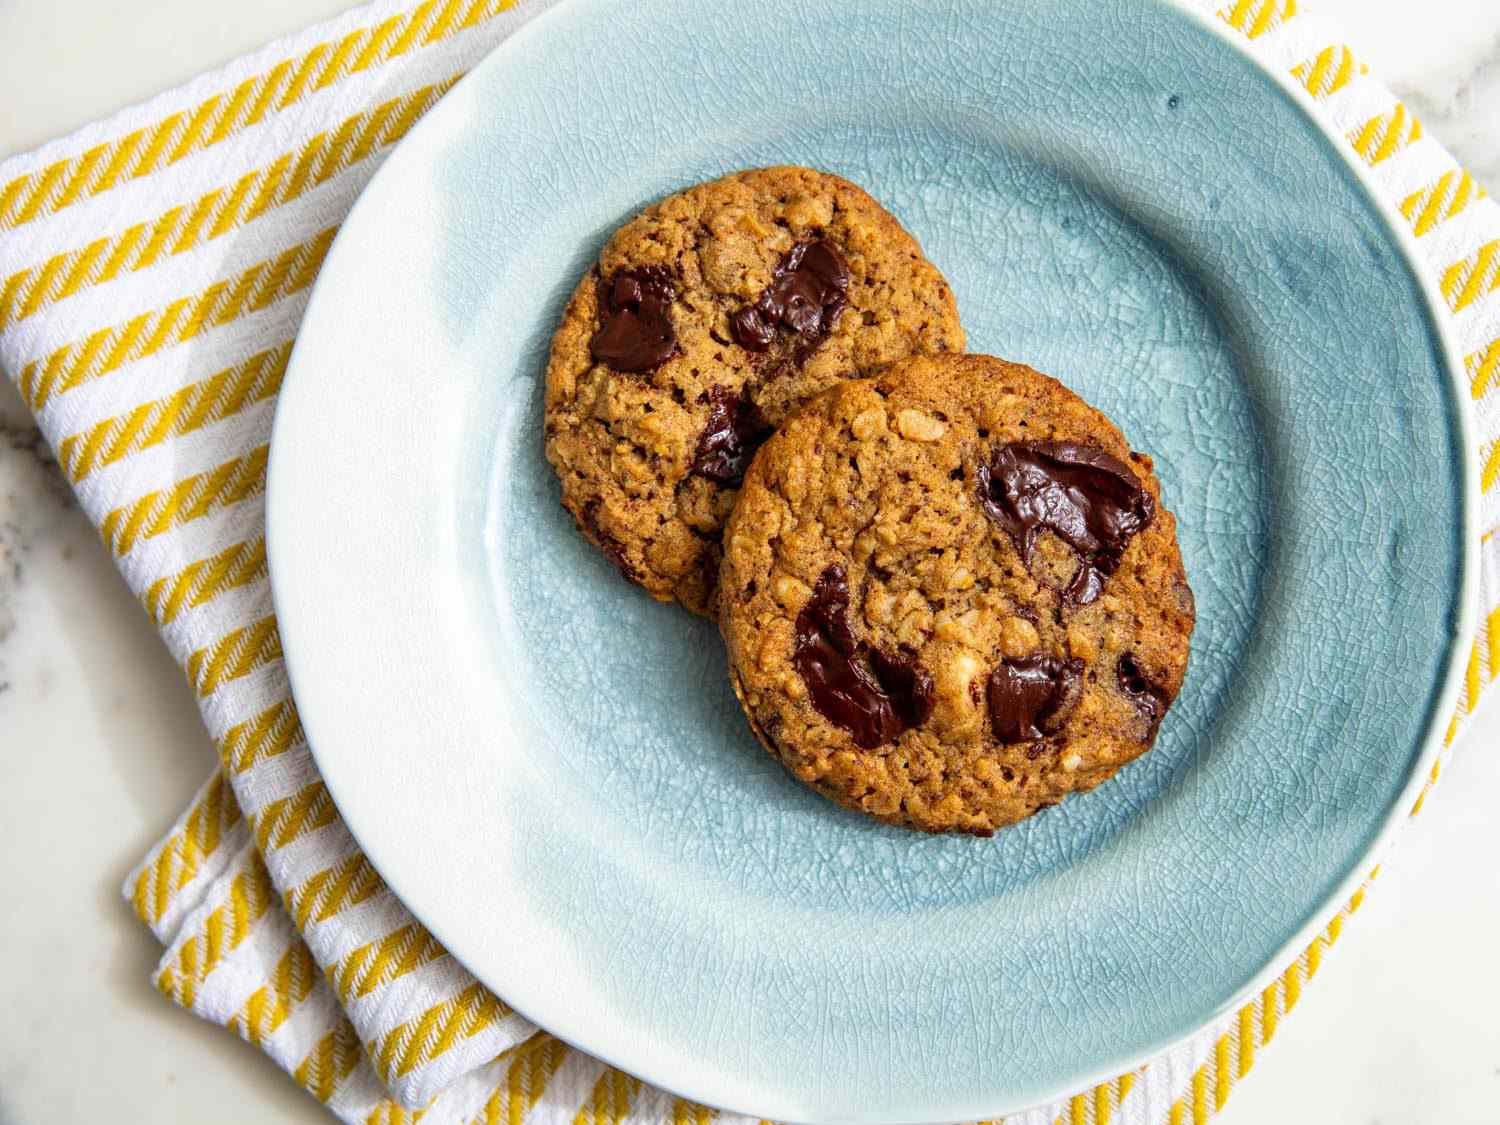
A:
x,y
708,319
951,595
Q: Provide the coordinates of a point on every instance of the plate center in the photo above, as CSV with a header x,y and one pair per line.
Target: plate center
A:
x,y
630,698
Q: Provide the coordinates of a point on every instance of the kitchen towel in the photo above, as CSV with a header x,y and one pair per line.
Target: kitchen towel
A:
x,y
153,271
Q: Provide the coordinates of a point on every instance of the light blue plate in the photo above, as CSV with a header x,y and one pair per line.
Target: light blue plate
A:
x,y
551,770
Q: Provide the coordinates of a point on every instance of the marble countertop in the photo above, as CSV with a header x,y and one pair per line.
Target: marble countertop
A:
x,y
102,746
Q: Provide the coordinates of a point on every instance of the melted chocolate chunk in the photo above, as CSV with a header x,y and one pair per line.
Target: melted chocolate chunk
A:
x,y
908,684
874,709
1031,697
1086,586
808,290
735,430
635,327
1080,493
826,657
1149,699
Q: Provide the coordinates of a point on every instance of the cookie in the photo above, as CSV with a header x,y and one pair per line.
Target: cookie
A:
x,y
951,595
708,318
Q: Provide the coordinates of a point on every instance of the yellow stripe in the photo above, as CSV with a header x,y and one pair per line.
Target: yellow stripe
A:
x,y
300,84
224,114
1471,678
1329,71
183,853
155,144
611,1099
234,656
267,1008
199,583
1466,281
685,1112
472,15
1493,628
191,229
415,28
1437,768
447,19
1221,1072
332,1059
1359,899
338,60
1447,197
1483,367
1491,469
321,896
287,820
109,349
43,194
189,139
93,163
250,895
1315,957
380,36
10,293
1247,1040
1126,1083
235,209
380,962
191,498
1270,1014
1256,17
25,295
531,1067
217,212
81,267
271,733
151,243
186,411
120,156
390,1113
432,1034
263,96
233,111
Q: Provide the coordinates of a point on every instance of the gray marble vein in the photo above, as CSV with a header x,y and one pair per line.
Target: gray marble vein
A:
x,y
33,495
1461,107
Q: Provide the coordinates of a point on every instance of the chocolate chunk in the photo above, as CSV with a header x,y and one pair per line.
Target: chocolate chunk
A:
x,y
908,684
808,290
1032,696
1149,699
735,430
635,329
874,709
1080,493
825,656
1086,586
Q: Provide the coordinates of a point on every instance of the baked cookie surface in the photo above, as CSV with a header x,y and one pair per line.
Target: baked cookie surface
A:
x,y
951,596
708,318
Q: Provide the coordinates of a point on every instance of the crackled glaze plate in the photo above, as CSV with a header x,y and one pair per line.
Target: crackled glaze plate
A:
x,y
551,770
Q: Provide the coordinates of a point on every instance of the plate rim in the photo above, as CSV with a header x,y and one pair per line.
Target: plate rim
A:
x,y
1442,332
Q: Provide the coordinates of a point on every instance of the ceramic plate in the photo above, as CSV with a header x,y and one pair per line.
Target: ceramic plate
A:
x,y
551,770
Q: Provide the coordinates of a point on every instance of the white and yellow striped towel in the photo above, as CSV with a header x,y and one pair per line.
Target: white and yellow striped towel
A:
x,y
153,270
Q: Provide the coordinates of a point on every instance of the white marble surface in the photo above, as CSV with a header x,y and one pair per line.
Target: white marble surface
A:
x,y
101,744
